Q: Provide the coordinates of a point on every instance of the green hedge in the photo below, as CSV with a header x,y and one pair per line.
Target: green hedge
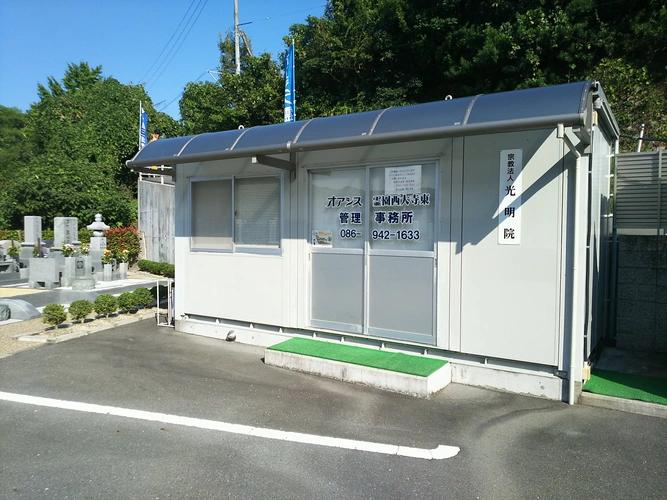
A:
x,y
47,234
159,268
10,234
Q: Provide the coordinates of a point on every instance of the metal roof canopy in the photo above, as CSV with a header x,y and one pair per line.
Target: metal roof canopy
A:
x,y
544,107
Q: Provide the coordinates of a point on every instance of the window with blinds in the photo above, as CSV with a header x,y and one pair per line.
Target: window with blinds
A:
x,y
211,208
236,214
257,211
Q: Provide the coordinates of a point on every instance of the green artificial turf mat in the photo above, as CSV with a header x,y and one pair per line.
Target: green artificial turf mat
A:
x,y
628,386
383,360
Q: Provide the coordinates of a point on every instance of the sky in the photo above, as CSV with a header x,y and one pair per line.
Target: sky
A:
x,y
164,44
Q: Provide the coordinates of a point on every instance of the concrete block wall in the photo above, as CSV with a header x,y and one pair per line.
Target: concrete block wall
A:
x,y
641,318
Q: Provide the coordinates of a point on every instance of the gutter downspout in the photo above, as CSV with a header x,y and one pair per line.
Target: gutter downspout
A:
x,y
575,261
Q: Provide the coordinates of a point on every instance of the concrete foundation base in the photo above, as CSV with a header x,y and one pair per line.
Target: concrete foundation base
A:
x,y
536,383
412,385
87,283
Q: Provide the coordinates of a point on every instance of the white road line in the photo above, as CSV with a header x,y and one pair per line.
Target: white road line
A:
x,y
439,453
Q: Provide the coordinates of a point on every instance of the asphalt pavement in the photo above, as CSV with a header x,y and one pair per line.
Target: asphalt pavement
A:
x,y
172,401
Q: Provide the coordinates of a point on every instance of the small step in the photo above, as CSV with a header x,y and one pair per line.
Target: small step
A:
x,y
391,371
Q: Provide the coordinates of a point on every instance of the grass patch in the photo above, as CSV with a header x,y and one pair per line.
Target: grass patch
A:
x,y
628,386
383,360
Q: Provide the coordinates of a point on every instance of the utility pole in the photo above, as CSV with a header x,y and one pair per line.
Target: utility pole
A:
x,y
236,37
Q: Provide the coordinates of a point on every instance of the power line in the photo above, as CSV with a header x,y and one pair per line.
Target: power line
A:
x,y
165,62
287,14
168,42
181,94
186,35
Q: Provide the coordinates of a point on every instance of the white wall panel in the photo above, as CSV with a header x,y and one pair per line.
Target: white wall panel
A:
x,y
510,293
235,286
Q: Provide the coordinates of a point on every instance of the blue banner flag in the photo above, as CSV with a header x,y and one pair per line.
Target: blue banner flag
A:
x,y
290,98
143,127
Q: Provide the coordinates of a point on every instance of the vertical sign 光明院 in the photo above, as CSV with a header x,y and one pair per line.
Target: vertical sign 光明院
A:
x,y
509,197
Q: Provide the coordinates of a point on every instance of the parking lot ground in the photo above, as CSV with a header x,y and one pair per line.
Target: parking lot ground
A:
x,y
510,446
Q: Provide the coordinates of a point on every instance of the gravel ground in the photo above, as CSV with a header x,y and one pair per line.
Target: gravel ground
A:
x,y
9,345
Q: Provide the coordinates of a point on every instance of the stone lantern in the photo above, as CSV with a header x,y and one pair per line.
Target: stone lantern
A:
x,y
98,244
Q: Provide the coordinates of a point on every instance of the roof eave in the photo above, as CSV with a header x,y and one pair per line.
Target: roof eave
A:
x,y
574,119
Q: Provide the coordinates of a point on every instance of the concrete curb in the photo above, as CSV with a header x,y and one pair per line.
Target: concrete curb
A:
x,y
629,405
403,383
124,320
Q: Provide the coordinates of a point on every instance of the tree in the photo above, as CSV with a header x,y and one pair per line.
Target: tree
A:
x,y
15,152
203,108
77,77
51,185
66,156
164,125
365,54
74,144
636,100
369,54
255,97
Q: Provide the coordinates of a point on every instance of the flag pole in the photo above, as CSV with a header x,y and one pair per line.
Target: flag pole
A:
x,y
140,176
293,83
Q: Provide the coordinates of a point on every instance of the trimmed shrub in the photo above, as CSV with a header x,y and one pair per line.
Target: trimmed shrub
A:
x,y
159,268
105,304
143,297
163,292
54,314
167,269
147,266
127,301
80,309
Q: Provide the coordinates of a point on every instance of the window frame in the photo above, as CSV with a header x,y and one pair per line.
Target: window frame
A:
x,y
368,167
237,248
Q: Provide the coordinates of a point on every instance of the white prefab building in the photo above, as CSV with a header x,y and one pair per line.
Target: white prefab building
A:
x,y
474,229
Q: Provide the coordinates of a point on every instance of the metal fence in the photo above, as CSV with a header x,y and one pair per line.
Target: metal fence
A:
x,y
639,253
640,200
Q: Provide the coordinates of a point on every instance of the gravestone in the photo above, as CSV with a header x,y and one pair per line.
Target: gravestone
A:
x,y
32,226
65,230
83,276
79,267
68,270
